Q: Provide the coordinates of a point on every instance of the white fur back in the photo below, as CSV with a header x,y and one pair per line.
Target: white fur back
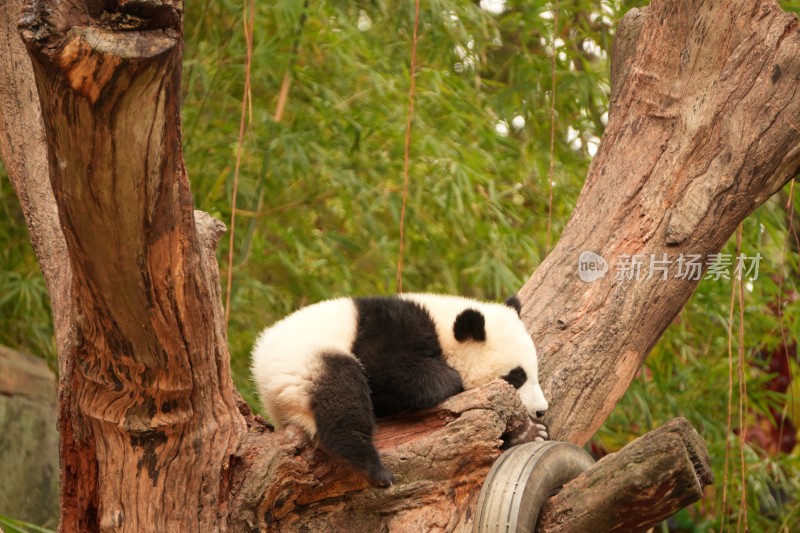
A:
x,y
285,358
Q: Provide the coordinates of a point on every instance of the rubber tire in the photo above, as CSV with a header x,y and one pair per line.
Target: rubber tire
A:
x,y
521,480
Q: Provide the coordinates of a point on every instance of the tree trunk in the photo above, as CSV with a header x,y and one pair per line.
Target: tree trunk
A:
x,y
704,126
703,129
148,415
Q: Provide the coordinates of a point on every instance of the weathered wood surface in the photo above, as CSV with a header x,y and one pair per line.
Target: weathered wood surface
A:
x,y
636,488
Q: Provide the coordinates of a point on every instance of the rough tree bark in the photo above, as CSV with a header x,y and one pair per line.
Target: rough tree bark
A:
x,y
703,129
148,417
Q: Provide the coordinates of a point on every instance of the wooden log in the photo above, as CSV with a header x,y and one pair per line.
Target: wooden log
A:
x,y
636,488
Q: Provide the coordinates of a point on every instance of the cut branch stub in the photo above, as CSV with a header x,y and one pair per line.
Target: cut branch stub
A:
x,y
703,129
112,120
151,376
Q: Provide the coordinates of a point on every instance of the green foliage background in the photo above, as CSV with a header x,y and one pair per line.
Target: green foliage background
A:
x,y
320,195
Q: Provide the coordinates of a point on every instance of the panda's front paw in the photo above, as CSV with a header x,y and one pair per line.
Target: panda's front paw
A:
x,y
532,430
539,430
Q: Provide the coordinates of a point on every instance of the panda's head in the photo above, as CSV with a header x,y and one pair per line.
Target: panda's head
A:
x,y
491,342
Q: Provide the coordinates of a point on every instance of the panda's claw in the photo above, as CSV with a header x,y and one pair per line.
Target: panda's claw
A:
x,y
532,430
380,477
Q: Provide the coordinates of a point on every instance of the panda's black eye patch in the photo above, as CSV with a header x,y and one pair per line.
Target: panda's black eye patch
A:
x,y
516,378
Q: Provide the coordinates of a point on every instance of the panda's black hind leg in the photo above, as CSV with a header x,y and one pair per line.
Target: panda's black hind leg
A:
x,y
345,421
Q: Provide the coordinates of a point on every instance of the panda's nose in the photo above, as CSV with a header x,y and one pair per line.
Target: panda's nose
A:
x,y
540,414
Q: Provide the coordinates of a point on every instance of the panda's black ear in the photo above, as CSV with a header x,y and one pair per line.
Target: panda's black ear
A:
x,y
514,303
470,324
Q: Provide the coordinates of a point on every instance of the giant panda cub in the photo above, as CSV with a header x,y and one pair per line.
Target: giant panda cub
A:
x,y
332,366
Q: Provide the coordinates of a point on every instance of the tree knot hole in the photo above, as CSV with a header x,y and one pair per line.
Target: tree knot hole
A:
x,y
138,15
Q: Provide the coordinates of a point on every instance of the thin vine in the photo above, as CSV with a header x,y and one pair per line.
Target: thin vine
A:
x,y
551,171
411,93
247,105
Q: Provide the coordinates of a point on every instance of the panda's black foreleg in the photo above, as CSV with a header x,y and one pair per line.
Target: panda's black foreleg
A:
x,y
344,417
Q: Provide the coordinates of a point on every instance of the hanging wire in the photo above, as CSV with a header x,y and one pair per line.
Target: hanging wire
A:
x,y
551,172
742,522
791,231
411,92
277,117
247,104
729,419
